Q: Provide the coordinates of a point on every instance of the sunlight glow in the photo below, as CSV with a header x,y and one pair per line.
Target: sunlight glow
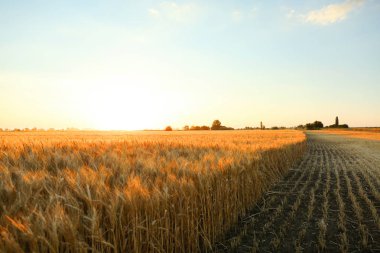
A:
x,y
113,103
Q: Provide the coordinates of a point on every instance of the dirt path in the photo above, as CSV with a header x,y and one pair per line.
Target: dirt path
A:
x,y
329,202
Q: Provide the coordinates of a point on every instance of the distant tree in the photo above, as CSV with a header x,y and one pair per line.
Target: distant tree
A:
x,y
314,126
199,128
338,126
318,124
309,126
186,128
216,124
168,128
275,128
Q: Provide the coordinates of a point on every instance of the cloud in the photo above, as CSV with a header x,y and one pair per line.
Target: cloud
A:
x,y
237,16
290,13
174,11
154,13
329,14
332,13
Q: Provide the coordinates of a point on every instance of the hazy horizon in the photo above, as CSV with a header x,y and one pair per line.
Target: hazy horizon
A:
x,y
129,65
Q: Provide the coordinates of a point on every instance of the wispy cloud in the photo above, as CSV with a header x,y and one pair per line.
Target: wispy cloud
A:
x,y
333,13
174,11
238,16
154,13
329,14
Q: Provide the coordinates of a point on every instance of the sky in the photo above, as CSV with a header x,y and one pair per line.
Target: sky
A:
x,y
148,64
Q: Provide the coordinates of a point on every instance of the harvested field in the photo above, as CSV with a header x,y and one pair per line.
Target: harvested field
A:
x,y
361,133
329,202
366,129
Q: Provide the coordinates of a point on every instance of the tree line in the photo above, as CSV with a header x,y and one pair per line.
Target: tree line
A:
x,y
216,125
316,125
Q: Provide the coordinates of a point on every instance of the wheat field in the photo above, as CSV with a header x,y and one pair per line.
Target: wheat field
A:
x,y
134,191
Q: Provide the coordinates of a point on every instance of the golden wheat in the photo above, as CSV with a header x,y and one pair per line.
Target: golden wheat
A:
x,y
133,191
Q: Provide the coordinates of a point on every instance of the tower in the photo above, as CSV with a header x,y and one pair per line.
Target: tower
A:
x,y
336,121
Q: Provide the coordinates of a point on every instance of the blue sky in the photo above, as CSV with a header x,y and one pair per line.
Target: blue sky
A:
x,y
148,64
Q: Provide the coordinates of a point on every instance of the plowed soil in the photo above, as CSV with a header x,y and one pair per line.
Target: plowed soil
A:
x,y
329,202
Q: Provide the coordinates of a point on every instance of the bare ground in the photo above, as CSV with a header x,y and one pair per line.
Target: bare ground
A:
x,y
329,202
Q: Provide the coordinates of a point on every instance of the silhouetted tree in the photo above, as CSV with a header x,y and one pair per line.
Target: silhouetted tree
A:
x,y
186,128
318,124
216,124
336,125
314,126
168,128
199,128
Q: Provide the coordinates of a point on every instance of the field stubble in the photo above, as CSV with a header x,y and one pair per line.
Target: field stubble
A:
x,y
329,202
362,133
140,192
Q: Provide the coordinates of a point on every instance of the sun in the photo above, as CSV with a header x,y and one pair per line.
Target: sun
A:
x,y
122,103
126,108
